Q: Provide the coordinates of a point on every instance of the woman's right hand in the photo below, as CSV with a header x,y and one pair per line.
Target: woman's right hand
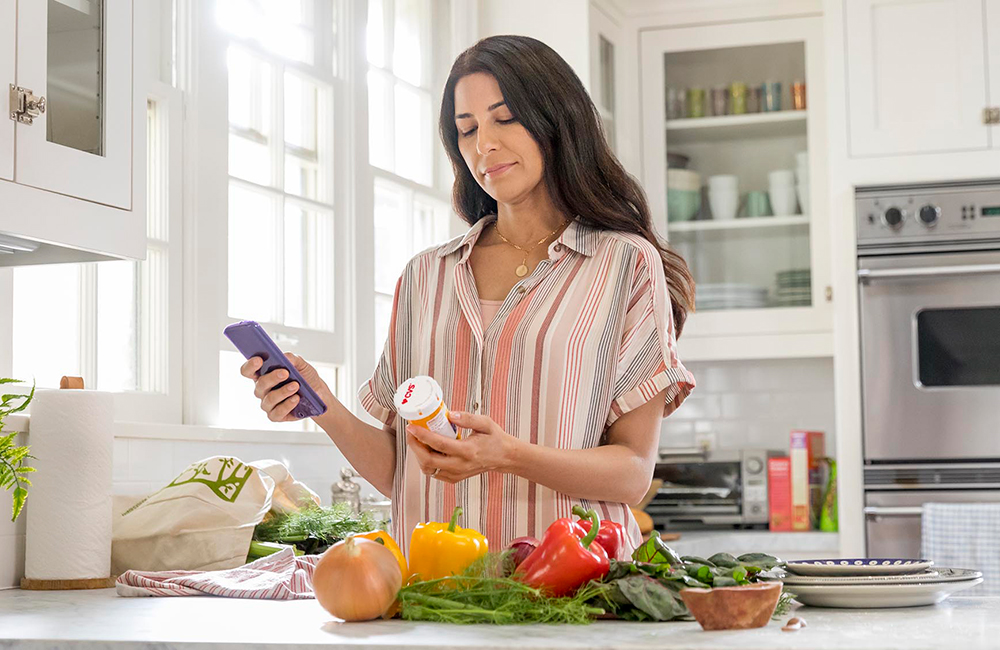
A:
x,y
279,404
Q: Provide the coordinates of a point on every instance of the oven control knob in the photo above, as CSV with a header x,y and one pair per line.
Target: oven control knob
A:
x,y
929,215
754,466
893,217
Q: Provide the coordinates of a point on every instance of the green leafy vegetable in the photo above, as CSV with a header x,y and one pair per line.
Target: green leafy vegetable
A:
x,y
656,551
313,530
481,595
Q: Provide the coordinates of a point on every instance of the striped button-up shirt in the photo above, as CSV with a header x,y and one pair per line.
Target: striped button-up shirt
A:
x,y
585,338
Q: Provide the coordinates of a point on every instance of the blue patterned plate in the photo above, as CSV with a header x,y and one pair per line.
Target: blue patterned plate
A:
x,y
858,567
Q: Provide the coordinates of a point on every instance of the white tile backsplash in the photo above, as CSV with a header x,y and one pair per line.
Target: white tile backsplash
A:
x,y
755,404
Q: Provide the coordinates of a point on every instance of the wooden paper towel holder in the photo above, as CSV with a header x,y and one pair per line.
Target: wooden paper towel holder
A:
x,y
80,583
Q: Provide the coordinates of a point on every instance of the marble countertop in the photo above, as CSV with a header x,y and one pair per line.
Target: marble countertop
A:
x,y
99,619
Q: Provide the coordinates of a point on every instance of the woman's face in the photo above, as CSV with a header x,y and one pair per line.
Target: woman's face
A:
x,y
502,156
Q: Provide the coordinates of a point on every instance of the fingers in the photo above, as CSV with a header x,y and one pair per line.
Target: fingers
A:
x,y
428,459
478,423
250,367
436,441
280,413
275,397
269,381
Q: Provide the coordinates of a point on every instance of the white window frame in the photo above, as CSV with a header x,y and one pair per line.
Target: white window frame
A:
x,y
207,182
203,135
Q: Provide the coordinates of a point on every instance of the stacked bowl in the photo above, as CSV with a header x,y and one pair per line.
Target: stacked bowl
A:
x,y
724,196
782,192
683,194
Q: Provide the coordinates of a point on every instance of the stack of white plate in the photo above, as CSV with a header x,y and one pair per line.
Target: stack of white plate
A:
x,y
730,296
874,583
794,288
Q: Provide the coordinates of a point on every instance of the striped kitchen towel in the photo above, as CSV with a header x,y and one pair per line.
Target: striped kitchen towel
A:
x,y
964,536
280,576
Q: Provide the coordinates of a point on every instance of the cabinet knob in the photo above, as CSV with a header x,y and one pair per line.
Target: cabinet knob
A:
x,y
24,105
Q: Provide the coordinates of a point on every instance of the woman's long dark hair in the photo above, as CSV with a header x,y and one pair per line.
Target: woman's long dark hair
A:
x,y
582,174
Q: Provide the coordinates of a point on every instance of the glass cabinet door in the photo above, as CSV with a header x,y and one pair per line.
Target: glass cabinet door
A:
x,y
74,65
738,204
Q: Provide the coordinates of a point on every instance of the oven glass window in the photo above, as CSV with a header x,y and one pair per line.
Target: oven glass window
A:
x,y
959,347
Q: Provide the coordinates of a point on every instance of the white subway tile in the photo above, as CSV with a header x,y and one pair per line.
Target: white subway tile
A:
x,y
132,488
698,407
746,405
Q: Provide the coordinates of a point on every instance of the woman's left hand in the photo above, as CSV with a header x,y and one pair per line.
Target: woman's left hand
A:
x,y
487,448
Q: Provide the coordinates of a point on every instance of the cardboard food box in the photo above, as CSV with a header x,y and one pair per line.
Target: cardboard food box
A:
x,y
779,493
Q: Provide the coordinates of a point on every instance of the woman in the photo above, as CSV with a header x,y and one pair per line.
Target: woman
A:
x,y
550,325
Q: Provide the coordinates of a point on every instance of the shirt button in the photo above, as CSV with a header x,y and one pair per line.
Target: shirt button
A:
x,y
558,248
475,406
521,289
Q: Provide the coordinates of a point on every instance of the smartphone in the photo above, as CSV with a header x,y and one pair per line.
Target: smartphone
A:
x,y
251,339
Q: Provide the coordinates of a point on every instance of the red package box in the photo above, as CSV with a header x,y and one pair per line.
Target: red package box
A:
x,y
779,493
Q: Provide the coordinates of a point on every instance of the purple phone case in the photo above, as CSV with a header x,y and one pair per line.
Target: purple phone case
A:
x,y
251,339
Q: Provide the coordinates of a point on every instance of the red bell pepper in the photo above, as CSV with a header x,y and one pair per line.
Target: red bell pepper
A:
x,y
566,559
611,535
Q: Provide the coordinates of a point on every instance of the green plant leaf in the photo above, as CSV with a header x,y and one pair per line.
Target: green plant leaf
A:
x,y
8,380
651,597
724,559
20,494
656,551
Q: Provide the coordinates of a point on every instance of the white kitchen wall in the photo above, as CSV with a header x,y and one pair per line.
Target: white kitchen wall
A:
x,y
754,404
143,465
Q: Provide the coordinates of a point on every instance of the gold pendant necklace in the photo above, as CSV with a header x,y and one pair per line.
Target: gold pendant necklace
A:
x,y
522,270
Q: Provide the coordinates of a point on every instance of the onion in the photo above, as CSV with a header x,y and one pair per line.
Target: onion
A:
x,y
357,579
522,547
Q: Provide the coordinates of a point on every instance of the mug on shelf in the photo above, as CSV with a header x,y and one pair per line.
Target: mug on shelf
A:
x,y
771,91
758,204
696,102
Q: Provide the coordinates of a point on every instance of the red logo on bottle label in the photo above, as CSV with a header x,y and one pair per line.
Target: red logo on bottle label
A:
x,y
409,392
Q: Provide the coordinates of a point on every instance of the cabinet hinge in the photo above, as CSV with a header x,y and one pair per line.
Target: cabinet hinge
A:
x,y
991,115
829,293
24,106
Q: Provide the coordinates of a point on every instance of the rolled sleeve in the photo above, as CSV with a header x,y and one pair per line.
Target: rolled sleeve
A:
x,y
647,358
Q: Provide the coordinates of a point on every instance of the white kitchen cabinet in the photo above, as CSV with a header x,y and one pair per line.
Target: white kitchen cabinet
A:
x,y
993,30
8,13
72,144
916,75
779,265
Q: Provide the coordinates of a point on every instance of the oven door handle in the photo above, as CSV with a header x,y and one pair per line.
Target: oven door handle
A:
x,y
893,511
925,271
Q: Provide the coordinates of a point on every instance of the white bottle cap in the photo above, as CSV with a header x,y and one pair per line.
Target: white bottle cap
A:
x,y
417,398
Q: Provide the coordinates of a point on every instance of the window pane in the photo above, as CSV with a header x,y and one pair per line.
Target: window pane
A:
x,y
154,320
117,338
376,33
301,99
309,268
413,131
253,255
47,331
249,160
302,177
410,43
250,92
379,123
393,238
238,408
280,26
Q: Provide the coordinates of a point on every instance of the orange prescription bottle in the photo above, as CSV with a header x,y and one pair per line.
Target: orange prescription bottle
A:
x,y
421,401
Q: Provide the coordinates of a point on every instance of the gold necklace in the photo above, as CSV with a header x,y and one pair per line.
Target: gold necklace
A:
x,y
522,270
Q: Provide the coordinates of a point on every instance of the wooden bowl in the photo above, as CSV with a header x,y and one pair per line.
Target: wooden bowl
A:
x,y
733,608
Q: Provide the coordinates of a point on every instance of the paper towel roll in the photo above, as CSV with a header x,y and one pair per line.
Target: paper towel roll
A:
x,y
68,509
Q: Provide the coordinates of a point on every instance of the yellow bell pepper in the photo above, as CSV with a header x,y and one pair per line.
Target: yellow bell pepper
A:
x,y
389,543
439,550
